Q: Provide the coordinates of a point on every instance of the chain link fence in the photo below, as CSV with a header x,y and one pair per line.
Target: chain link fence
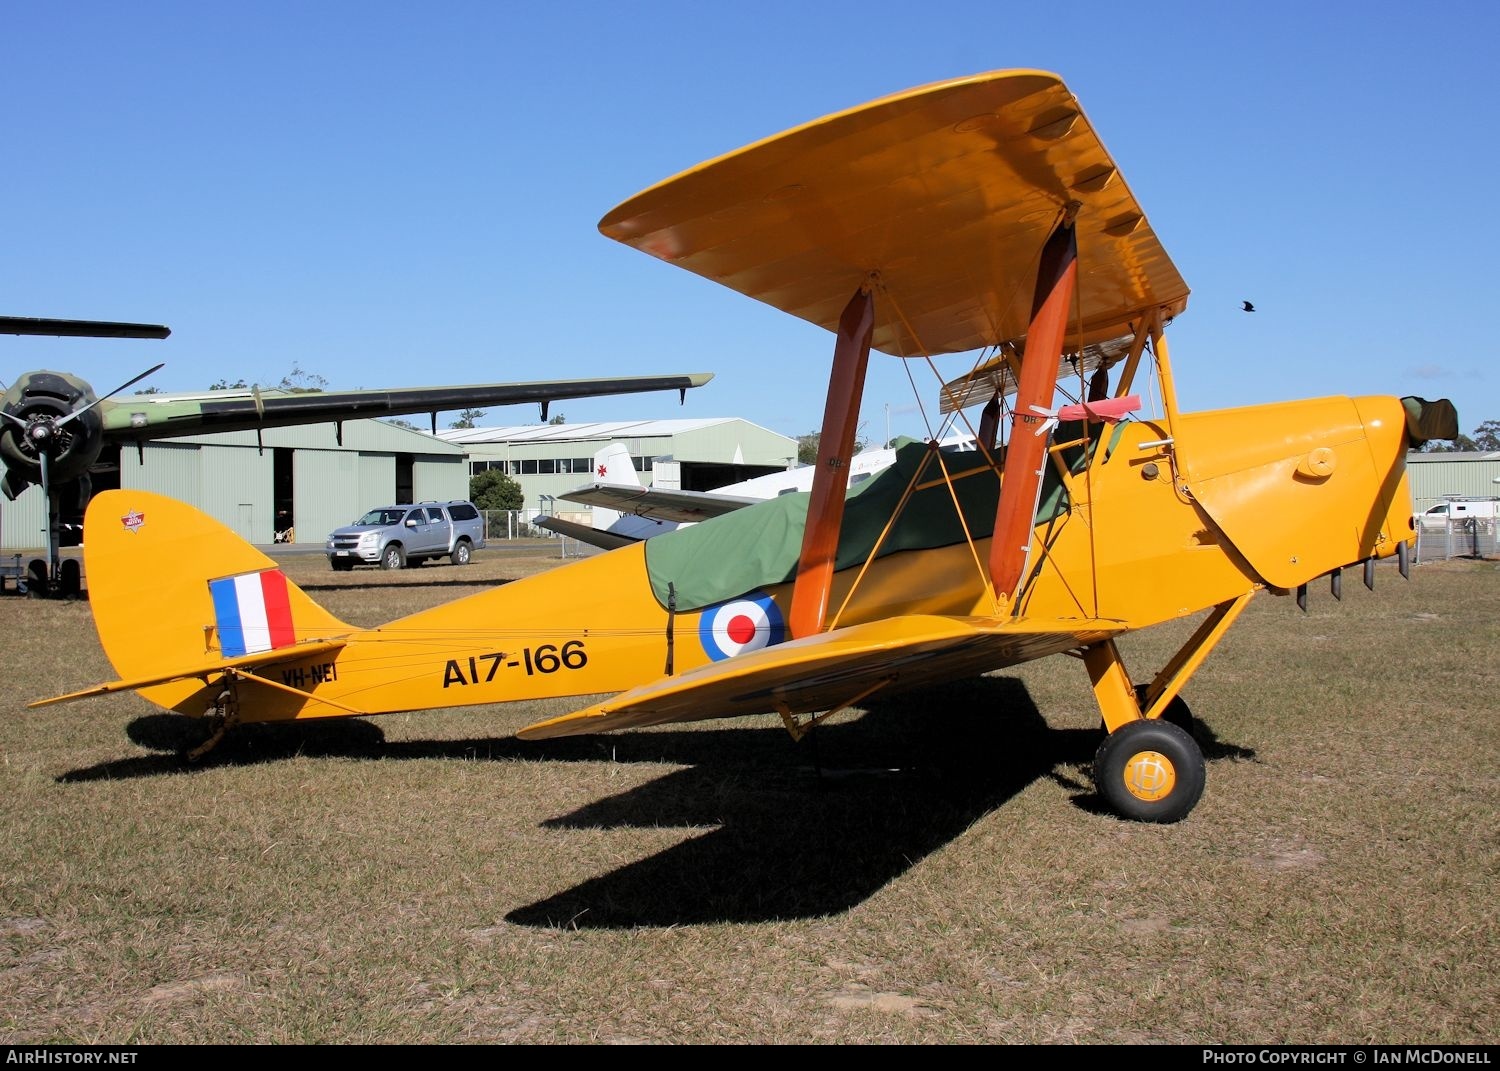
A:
x,y
1467,537
505,524
510,526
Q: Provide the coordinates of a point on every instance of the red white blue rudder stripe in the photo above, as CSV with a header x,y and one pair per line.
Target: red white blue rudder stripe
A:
x,y
252,613
741,625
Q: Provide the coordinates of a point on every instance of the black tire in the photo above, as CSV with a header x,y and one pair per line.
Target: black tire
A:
x,y
462,552
393,557
1150,771
37,584
1177,712
70,578
341,565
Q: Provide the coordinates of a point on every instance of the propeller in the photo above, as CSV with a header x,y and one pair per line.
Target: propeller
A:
x,y
44,433
75,414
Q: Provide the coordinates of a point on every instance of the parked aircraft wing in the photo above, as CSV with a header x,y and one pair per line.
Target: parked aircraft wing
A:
x,y
831,669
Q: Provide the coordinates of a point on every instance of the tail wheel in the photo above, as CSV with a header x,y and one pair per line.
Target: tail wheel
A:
x,y
1150,771
393,557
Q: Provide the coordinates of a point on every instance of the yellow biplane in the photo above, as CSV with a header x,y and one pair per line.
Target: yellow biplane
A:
x,y
979,214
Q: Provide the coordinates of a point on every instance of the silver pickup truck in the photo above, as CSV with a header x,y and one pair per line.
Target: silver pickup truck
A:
x,y
394,537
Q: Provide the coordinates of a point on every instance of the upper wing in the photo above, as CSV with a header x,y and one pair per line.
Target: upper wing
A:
x,y
834,668
659,504
947,192
143,417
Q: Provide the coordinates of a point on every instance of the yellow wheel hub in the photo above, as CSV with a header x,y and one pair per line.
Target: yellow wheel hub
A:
x,y
1150,776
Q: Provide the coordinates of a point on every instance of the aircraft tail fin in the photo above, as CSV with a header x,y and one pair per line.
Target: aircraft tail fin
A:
x,y
172,589
614,465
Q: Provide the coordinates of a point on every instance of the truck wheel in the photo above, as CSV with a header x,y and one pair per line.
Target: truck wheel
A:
x,y
461,553
393,557
1149,771
341,565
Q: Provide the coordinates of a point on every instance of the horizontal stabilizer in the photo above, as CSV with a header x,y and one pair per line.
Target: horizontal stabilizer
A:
x,y
585,533
835,668
293,653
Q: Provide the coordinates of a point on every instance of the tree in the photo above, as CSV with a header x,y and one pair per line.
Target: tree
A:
x,y
294,382
1449,446
493,489
1487,435
466,418
559,419
299,382
807,446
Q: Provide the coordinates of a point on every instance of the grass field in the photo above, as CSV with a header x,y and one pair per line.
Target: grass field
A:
x,y
935,870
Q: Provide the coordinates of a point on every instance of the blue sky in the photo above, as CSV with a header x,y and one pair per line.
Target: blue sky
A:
x,y
397,194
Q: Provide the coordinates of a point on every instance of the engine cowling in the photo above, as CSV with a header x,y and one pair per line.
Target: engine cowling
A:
x,y
48,412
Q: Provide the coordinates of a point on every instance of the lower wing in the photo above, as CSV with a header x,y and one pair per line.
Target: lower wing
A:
x,y
834,669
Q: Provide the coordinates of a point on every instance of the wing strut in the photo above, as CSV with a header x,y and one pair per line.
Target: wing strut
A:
x,y
1026,453
825,510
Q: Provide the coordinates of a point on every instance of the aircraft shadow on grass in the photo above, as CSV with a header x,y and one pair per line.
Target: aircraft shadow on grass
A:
x,y
790,830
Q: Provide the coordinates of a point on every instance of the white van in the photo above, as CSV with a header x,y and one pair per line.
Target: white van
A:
x,y
1456,510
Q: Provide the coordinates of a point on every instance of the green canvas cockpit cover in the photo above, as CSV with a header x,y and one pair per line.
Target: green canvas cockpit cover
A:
x,y
758,546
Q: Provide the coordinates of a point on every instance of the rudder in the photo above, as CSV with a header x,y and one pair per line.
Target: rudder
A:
x,y
170,586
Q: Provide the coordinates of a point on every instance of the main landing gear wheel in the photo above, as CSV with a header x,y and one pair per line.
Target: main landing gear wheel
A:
x,y
1150,771
70,579
393,558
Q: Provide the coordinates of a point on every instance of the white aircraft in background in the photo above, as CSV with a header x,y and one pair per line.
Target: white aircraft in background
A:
x,y
625,511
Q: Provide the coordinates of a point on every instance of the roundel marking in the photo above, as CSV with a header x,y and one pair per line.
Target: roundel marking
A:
x,y
740,625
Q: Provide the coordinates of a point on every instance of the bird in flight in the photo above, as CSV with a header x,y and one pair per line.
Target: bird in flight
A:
x,y
1249,307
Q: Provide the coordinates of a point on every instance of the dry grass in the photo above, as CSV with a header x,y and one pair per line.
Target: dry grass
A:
x,y
428,878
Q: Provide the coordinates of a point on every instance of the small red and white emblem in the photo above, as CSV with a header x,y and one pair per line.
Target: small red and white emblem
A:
x,y
133,521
